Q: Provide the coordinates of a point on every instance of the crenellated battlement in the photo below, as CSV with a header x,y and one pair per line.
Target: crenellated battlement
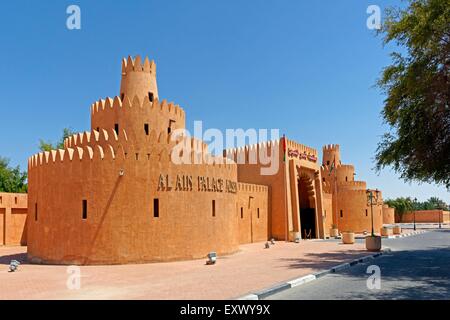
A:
x,y
331,147
133,114
94,137
72,154
136,65
115,104
251,153
110,136
158,146
109,153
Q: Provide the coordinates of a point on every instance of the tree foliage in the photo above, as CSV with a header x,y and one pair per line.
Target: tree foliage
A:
x,y
417,88
402,205
48,146
12,179
433,203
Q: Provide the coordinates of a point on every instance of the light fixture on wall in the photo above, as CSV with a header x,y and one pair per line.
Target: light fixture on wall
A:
x,y
121,172
13,265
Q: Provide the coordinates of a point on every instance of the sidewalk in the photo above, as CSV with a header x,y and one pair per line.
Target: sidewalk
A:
x,y
253,268
404,233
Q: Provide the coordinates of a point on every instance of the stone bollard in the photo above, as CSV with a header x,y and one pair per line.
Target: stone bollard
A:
x,y
397,230
334,232
386,231
348,237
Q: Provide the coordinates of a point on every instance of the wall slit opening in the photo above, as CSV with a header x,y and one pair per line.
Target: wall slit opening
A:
x,y
84,205
156,208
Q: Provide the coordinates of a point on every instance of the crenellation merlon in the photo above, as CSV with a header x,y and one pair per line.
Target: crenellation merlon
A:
x,y
135,65
331,147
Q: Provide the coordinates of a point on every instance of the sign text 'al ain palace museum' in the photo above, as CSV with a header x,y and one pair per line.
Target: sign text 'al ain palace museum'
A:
x,y
186,183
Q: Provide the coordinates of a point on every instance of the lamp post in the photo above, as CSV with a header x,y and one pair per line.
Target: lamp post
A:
x,y
415,206
372,200
439,217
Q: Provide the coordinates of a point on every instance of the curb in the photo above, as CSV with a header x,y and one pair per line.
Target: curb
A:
x,y
259,295
414,233
396,236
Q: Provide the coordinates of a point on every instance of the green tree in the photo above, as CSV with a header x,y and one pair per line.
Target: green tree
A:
x,y
47,146
12,179
401,205
435,203
417,88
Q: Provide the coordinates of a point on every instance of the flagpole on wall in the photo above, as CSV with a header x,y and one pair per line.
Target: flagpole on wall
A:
x,y
333,168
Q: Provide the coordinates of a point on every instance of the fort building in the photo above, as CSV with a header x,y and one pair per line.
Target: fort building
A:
x,y
114,194
348,202
13,217
295,199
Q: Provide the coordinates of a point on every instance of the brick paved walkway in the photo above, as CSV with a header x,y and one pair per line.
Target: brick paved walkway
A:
x,y
252,268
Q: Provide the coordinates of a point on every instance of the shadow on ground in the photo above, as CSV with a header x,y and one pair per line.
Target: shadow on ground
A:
x,y
423,275
418,272
21,257
324,260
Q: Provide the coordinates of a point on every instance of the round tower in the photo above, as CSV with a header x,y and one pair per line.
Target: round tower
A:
x,y
137,111
345,173
138,79
331,153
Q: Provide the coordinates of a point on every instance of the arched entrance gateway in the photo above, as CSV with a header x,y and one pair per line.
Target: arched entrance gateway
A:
x,y
307,206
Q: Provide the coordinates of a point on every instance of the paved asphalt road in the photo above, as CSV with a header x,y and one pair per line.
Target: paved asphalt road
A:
x,y
417,268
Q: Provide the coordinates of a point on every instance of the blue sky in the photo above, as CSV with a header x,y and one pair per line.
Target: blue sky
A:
x,y
305,67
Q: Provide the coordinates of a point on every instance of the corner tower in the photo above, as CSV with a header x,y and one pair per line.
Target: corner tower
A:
x,y
139,79
137,109
330,153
